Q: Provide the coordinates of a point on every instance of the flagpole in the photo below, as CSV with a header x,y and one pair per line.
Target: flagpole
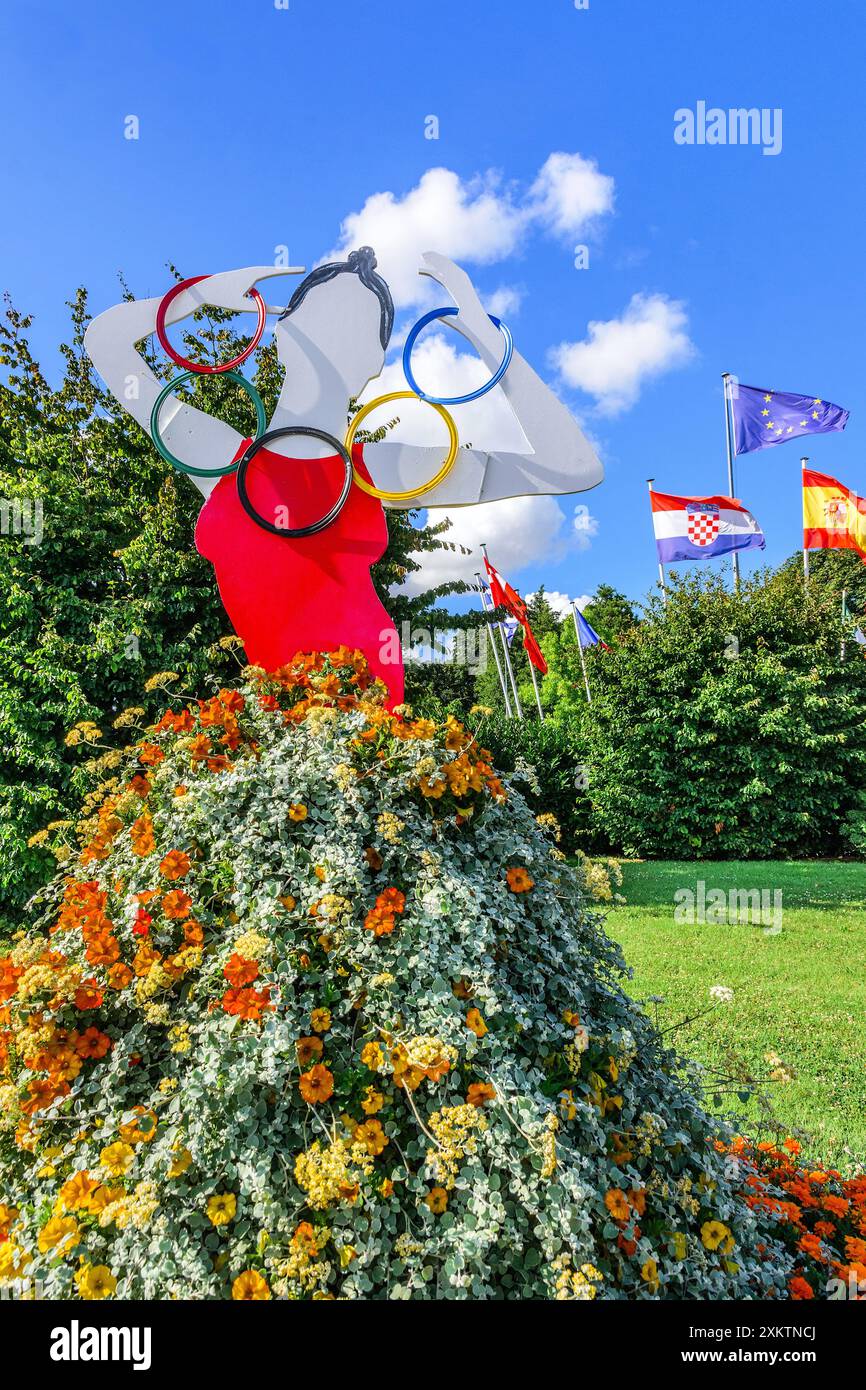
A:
x,y
844,615
649,483
535,688
492,638
532,674
803,463
729,441
507,654
580,648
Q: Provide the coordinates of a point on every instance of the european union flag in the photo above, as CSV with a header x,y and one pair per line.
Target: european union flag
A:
x,y
762,417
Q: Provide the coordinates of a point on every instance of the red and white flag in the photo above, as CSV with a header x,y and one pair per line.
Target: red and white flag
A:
x,y
505,597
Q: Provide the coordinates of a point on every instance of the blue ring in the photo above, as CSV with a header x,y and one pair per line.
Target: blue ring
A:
x,y
472,395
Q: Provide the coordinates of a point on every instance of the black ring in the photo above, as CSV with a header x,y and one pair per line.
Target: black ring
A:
x,y
293,533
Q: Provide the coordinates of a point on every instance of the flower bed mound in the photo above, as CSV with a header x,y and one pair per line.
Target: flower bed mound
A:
x,y
316,1009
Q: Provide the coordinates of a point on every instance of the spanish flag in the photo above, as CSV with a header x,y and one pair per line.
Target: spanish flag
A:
x,y
834,517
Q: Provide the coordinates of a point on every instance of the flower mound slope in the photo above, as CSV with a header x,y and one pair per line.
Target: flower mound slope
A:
x,y
316,1009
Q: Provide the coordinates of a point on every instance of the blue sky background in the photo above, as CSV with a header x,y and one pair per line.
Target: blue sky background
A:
x,y
261,126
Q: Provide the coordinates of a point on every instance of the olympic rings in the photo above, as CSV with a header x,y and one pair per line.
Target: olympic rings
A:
x,y
293,533
261,422
470,395
407,496
202,367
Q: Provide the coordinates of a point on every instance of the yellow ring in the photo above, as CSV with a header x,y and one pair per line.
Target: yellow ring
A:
x,y
381,493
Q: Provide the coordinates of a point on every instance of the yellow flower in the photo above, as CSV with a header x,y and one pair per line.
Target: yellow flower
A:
x,y
95,1282
650,1273
59,1231
713,1233
372,1056
437,1200
386,1187
680,1245
179,1164
297,811
250,1287
348,1253
221,1208
320,1020
118,1159
373,1101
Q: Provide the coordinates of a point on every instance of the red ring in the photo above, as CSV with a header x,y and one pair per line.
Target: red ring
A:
x,y
199,366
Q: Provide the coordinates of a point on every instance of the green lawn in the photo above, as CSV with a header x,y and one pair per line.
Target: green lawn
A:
x,y
800,994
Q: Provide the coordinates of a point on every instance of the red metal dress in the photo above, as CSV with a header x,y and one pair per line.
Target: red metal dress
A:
x,y
315,593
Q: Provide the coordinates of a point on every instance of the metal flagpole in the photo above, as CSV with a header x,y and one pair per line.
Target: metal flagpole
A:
x,y
649,483
580,648
803,463
535,688
844,616
492,639
506,652
729,440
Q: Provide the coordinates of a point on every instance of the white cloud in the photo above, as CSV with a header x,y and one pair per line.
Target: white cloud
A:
x,y
518,531
585,526
569,193
619,355
479,220
561,603
503,303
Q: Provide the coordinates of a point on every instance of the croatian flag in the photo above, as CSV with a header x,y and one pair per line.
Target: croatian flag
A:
x,y
698,528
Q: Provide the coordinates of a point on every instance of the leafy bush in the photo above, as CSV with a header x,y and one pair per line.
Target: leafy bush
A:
x,y
549,760
316,1010
726,725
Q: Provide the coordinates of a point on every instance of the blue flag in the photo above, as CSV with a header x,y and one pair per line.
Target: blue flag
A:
x,y
586,635
762,417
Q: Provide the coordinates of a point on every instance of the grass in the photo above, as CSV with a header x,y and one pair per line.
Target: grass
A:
x,y
800,994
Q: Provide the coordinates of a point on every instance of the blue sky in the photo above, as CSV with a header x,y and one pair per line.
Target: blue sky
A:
x,y
262,127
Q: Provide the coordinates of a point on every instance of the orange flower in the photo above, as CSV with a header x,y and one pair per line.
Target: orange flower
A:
x,y
391,900
239,971
250,1287
247,1003
475,1023
320,1020
518,880
380,923
10,974
799,1289
317,1084
175,865
372,1135
637,1197
119,976
617,1204
88,995
373,858
309,1049
297,811
176,904
139,784
141,835
150,754
436,1200
92,1043
479,1093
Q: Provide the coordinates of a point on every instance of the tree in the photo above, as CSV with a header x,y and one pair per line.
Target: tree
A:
x,y
725,725
116,591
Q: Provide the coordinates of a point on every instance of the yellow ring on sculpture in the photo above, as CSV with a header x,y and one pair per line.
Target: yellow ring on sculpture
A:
x,y
382,493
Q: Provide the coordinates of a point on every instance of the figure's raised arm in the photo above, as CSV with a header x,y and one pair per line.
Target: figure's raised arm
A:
x,y
196,438
560,458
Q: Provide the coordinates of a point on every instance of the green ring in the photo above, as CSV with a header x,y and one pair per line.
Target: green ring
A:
x,y
261,423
